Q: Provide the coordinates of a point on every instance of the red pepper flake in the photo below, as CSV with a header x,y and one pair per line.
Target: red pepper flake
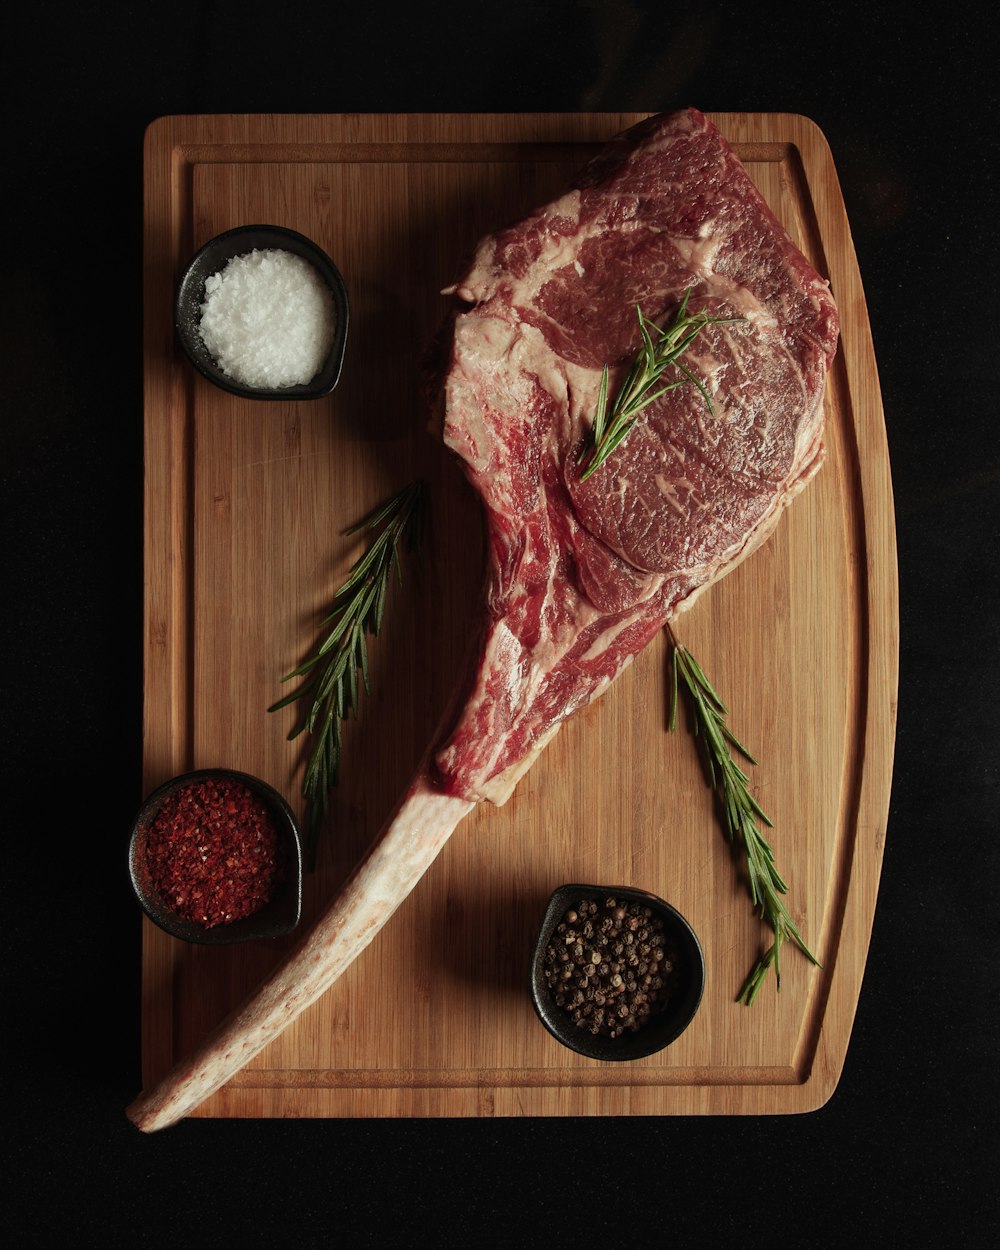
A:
x,y
212,852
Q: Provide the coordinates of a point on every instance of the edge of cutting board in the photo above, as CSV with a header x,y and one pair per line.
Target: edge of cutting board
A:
x,y
172,143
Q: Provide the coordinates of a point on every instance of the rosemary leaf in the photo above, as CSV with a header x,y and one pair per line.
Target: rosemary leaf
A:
x,y
337,671
662,347
740,811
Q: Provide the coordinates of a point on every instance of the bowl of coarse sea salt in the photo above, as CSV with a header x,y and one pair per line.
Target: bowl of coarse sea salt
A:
x,y
262,311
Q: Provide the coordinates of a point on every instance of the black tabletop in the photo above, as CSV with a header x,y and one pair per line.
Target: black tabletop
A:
x,y
907,1147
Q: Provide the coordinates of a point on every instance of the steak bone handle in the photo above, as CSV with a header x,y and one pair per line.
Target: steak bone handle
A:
x,y
407,846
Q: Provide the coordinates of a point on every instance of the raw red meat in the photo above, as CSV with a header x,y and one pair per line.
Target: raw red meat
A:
x,y
583,574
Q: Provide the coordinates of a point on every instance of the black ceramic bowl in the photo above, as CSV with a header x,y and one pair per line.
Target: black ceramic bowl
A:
x,y
213,257
275,918
664,1025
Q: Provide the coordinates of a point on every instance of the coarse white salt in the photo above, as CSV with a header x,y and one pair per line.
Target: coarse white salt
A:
x,y
268,319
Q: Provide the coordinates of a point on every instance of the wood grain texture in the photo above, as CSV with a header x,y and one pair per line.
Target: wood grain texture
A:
x,y
245,507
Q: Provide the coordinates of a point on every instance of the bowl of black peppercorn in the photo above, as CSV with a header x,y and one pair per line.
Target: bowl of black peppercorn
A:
x,y
617,973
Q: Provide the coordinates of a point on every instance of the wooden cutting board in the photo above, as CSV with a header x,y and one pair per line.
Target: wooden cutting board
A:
x,y
246,504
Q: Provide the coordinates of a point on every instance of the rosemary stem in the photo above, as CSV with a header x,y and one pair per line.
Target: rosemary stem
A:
x,y
334,676
740,811
661,349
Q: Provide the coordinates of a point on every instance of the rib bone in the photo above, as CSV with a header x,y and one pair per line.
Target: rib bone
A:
x,y
407,847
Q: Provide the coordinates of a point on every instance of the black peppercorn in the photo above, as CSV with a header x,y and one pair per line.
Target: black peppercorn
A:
x,y
597,943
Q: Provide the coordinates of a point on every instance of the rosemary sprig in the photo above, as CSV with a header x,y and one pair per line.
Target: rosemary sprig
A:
x,y
332,688
741,811
662,346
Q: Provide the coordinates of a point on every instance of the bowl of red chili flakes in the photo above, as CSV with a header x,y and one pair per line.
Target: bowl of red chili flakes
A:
x,y
215,857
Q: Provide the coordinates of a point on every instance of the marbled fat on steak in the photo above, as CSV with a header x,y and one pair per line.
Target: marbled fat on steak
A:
x,y
584,573
581,574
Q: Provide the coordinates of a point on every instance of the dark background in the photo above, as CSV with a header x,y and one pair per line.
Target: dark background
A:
x,y
907,1148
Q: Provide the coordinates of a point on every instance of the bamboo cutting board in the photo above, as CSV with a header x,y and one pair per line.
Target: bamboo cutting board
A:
x,y
245,508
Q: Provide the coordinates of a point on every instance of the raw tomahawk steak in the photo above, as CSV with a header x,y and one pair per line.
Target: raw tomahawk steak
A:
x,y
585,573
582,574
